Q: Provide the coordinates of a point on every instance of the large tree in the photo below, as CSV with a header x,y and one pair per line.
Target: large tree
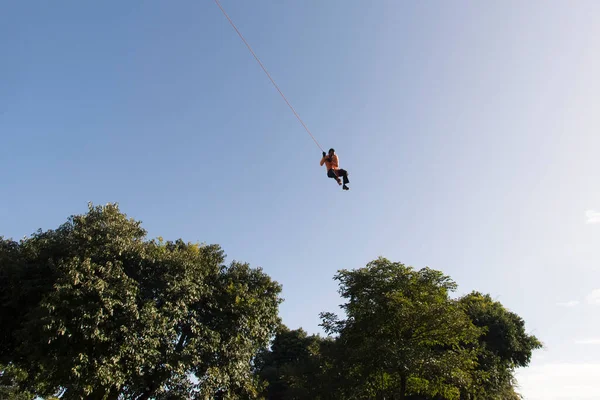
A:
x,y
402,333
94,309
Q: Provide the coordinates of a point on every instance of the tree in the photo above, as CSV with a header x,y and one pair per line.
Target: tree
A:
x,y
93,309
402,333
292,367
503,346
10,383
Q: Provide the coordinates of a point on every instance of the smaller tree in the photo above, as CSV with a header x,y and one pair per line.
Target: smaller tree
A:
x,y
292,366
11,382
503,346
402,334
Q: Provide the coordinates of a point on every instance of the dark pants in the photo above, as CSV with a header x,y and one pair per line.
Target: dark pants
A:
x,y
340,172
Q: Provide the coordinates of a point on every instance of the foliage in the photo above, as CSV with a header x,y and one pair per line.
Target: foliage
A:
x,y
93,309
402,337
11,378
502,347
403,334
291,367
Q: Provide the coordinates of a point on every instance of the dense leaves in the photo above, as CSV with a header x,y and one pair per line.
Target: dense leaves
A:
x,y
503,346
403,337
293,367
94,309
403,332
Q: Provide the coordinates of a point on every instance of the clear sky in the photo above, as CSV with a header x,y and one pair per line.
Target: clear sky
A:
x,y
470,131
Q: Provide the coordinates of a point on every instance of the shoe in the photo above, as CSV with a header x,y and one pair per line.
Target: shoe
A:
x,y
345,187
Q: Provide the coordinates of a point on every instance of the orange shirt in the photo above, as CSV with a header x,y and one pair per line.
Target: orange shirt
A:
x,y
334,163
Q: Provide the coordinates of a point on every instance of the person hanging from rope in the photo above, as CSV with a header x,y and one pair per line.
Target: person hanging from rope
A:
x,y
332,163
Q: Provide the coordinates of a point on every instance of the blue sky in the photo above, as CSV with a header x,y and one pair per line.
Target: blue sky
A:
x,y
470,132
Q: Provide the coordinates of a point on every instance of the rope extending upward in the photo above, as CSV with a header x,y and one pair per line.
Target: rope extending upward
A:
x,y
266,72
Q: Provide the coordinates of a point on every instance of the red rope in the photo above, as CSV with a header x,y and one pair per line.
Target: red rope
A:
x,y
266,72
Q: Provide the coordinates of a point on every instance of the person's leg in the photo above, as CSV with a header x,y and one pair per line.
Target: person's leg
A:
x,y
331,173
344,174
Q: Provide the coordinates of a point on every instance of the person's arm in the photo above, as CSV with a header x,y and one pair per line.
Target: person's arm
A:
x,y
323,159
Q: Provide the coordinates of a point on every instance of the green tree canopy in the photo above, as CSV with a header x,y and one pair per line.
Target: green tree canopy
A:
x,y
292,366
503,346
95,310
402,333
